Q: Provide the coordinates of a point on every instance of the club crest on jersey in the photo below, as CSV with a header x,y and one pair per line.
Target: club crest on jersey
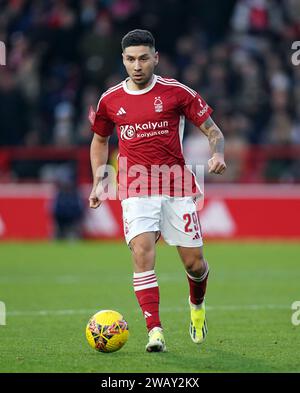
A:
x,y
127,132
158,105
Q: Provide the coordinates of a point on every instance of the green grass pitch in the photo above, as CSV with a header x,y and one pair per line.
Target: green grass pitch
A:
x,y
51,289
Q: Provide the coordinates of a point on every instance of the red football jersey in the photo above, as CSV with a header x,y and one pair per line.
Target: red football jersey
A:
x,y
150,127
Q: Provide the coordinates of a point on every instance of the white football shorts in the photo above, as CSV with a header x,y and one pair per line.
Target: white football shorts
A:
x,y
175,218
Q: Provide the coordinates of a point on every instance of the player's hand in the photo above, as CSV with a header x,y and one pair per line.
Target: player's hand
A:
x,y
94,198
216,164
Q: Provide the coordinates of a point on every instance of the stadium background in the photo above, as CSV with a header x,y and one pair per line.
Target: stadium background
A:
x,y
61,56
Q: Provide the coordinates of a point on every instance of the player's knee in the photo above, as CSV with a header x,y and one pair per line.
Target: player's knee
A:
x,y
195,265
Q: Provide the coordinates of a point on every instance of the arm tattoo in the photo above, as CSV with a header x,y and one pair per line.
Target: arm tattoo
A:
x,y
214,136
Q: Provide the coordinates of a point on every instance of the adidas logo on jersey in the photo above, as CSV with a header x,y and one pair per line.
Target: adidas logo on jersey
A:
x,y
121,112
197,236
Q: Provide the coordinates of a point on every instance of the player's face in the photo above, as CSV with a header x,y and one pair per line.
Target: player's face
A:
x,y
140,62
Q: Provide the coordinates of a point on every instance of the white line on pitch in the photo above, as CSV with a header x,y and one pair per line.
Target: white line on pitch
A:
x,y
163,309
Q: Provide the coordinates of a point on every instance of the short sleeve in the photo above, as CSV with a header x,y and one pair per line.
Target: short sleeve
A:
x,y
193,107
102,124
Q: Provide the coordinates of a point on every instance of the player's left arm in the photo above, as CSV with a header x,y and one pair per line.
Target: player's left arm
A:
x,y
216,164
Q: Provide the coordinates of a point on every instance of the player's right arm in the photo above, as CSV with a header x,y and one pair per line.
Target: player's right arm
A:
x,y
98,157
102,127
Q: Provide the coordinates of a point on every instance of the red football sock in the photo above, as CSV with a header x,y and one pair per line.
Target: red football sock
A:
x,y
198,286
147,293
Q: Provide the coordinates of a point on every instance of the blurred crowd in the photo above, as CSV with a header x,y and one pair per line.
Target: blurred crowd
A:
x,y
61,55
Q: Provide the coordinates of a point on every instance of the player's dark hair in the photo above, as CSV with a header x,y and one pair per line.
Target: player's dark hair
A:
x,y
138,37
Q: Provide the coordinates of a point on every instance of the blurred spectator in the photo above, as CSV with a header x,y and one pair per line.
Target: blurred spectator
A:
x,y
63,128
14,115
99,48
279,129
68,208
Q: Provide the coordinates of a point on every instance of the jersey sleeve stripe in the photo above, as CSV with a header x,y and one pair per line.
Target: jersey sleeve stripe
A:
x,y
175,82
192,92
106,93
169,80
114,87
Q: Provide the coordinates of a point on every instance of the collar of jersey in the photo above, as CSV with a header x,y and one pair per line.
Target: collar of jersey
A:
x,y
137,92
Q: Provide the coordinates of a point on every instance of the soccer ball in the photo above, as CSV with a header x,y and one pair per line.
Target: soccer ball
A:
x,y
107,331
